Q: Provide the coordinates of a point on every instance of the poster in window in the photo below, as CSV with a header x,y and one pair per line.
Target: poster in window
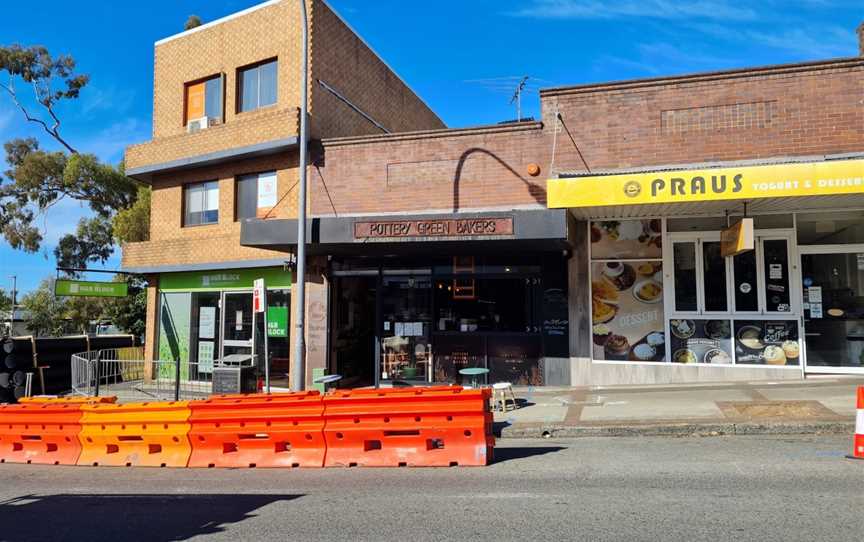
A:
x,y
701,341
207,323
627,311
266,191
626,239
205,356
759,342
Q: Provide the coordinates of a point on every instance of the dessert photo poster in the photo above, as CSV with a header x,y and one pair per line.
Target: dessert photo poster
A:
x,y
627,291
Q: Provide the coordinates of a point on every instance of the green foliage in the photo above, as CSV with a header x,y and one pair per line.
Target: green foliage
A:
x,y
192,22
80,311
62,315
129,313
5,301
37,179
91,243
132,224
47,313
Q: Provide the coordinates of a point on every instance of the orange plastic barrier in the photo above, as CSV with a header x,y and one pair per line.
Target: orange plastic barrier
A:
x,y
44,433
257,430
140,434
858,443
430,427
72,400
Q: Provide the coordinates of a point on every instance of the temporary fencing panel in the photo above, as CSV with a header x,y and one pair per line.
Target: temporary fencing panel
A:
x,y
277,430
139,434
45,433
432,427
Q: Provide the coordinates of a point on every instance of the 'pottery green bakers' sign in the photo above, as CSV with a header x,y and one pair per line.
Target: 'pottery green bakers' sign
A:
x,y
85,288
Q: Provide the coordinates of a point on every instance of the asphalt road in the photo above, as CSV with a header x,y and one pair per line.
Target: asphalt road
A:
x,y
723,488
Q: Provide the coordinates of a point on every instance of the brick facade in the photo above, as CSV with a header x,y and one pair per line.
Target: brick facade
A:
x,y
337,56
798,110
342,60
438,171
794,110
171,243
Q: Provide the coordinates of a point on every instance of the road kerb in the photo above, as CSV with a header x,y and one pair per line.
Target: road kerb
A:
x,y
678,429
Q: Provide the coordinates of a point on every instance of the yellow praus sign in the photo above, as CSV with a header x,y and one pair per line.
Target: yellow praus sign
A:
x,y
737,183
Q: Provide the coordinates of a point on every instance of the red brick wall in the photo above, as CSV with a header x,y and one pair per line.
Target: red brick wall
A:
x,y
796,110
782,111
429,172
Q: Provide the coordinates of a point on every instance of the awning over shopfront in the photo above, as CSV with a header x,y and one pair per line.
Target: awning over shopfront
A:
x,y
779,185
540,229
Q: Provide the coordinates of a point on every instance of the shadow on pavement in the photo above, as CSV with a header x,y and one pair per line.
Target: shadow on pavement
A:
x,y
509,454
125,517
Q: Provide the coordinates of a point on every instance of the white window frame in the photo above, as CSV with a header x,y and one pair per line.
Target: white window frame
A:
x,y
187,193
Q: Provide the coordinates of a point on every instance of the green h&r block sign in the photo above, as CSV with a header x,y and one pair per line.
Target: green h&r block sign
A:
x,y
85,288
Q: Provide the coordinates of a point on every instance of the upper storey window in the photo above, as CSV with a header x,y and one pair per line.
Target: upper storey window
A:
x,y
257,86
203,106
201,203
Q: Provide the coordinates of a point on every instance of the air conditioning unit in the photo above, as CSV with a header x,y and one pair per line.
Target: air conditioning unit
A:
x,y
196,125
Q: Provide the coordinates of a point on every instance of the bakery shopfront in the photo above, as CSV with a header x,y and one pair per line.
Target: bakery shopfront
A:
x,y
413,300
729,271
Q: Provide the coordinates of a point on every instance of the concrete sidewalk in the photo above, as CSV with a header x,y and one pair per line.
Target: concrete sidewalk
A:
x,y
817,405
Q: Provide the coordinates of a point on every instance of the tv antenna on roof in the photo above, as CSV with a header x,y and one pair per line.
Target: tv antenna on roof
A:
x,y
517,97
505,85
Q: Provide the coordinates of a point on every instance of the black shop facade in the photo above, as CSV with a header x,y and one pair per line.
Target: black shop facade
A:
x,y
414,300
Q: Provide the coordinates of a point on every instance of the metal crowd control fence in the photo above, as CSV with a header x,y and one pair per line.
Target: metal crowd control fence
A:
x,y
124,373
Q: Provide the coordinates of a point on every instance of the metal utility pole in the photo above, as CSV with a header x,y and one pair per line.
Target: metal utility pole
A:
x,y
12,308
298,367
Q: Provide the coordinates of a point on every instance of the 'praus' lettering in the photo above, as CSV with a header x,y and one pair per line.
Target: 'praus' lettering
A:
x,y
677,186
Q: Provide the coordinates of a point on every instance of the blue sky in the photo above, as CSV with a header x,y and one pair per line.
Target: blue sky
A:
x,y
459,55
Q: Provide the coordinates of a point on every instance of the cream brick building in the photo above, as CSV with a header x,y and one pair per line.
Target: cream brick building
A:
x,y
218,72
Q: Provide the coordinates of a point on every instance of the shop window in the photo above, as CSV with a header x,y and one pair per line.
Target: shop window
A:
x,y
776,263
701,341
257,86
760,342
714,265
685,276
256,195
835,228
278,335
203,100
746,285
204,332
627,289
497,304
201,203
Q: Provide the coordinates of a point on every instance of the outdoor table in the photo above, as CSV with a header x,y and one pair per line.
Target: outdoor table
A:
x,y
474,372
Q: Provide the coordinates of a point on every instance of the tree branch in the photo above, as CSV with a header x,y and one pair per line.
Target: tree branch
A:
x,y
52,132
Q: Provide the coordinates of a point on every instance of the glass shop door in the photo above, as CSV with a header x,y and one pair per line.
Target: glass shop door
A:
x,y
832,281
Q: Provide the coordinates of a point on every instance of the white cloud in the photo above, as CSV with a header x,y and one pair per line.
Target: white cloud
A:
x,y
806,39
659,58
94,99
658,9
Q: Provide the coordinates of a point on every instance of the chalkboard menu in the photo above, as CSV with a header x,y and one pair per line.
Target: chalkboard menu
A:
x,y
556,323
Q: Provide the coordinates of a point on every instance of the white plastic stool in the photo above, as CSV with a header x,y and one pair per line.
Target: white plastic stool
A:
x,y
501,393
